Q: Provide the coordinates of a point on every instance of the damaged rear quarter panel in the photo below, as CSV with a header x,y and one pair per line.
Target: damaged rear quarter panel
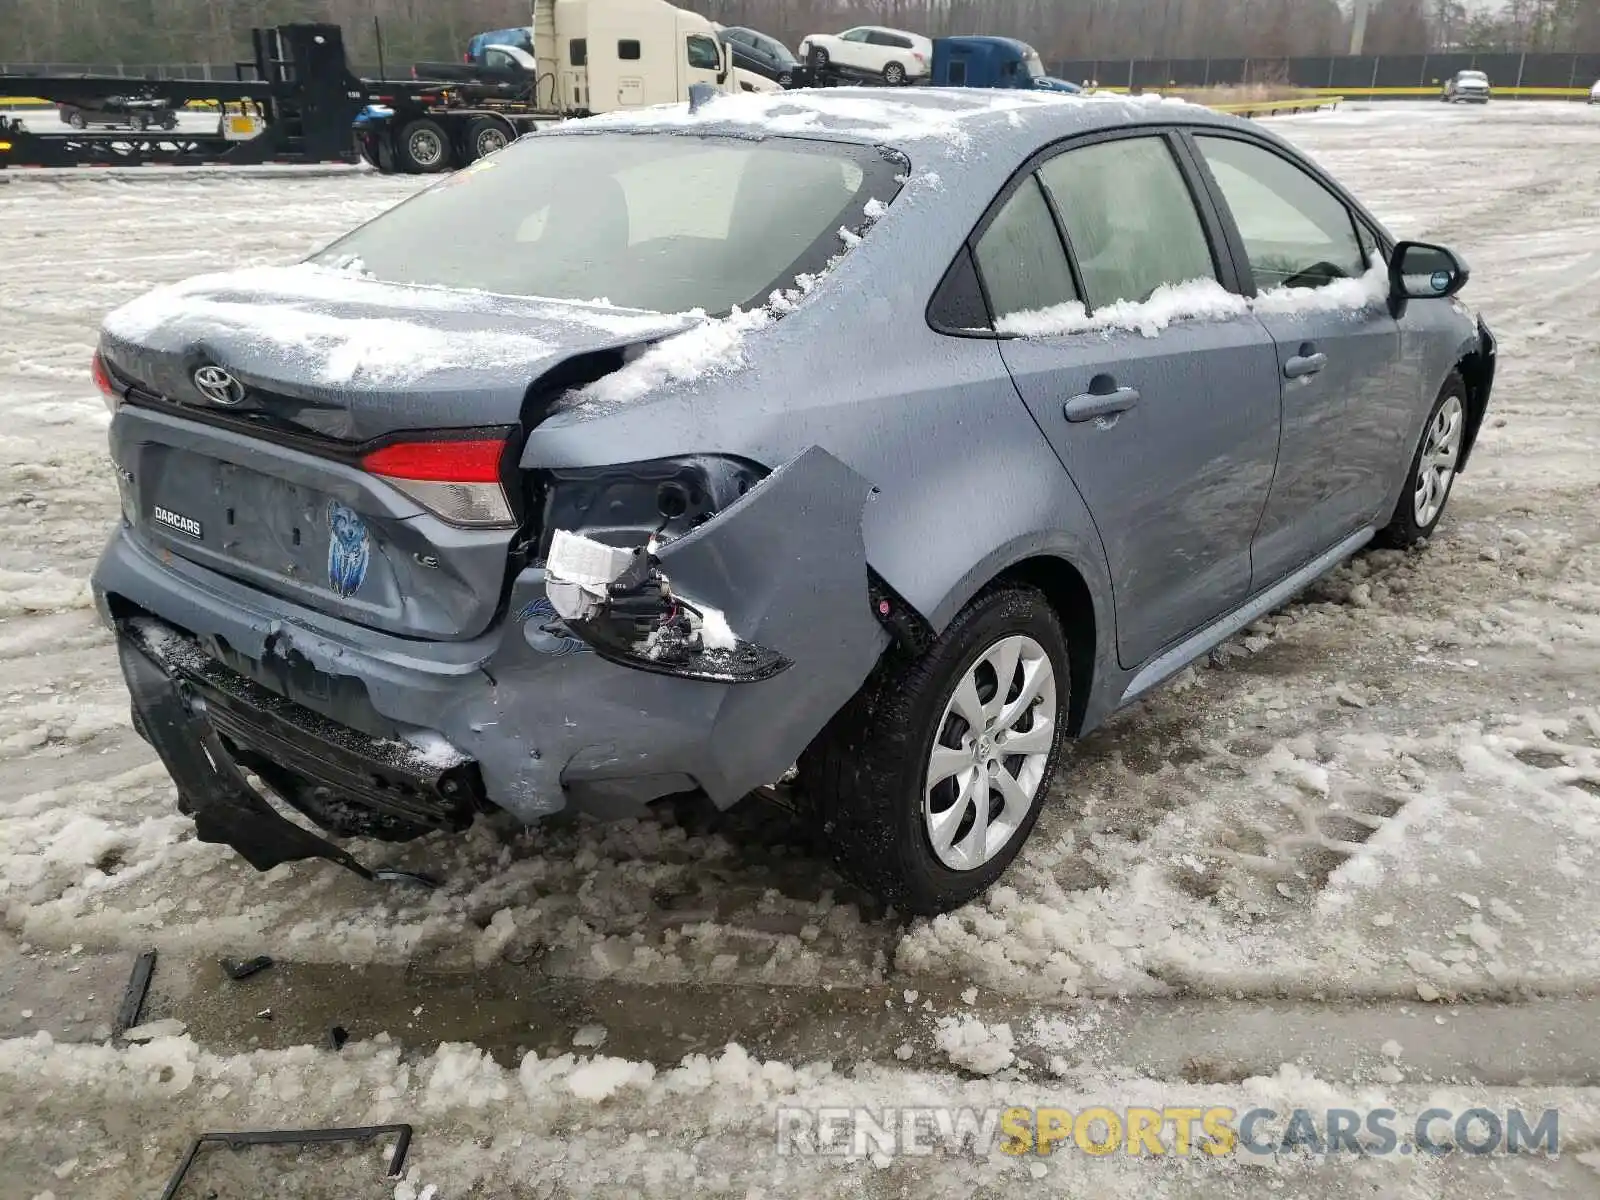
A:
x,y
786,565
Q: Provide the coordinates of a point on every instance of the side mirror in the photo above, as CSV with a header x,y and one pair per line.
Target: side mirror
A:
x,y
1420,271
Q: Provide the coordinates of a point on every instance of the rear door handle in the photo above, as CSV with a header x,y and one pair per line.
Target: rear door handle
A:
x,y
1090,405
1300,365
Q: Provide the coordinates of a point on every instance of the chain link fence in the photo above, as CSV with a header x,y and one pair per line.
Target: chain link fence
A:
x,y
1352,74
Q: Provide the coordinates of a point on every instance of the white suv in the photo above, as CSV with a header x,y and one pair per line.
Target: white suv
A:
x,y
868,51
1471,87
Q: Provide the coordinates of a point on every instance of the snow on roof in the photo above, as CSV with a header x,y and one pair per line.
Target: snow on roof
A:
x,y
948,115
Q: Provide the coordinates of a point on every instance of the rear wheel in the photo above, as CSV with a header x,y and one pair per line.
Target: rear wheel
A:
x,y
423,147
894,74
77,120
931,778
1433,470
819,63
139,122
484,137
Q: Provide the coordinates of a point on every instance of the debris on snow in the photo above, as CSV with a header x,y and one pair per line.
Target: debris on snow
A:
x,y
970,1044
600,1077
589,1037
165,1028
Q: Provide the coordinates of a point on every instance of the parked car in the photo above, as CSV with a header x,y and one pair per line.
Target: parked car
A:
x,y
448,536
868,52
761,55
119,112
505,64
1468,87
1594,93
480,44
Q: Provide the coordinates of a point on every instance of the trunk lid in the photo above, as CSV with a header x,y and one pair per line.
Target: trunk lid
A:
x,y
254,394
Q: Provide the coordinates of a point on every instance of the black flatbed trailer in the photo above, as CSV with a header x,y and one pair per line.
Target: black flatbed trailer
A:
x,y
298,86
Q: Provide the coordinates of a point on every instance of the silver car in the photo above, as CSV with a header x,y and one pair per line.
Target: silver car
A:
x,y
865,448
1466,87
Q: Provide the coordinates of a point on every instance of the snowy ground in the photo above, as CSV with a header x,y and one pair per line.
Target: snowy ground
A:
x,y
1352,861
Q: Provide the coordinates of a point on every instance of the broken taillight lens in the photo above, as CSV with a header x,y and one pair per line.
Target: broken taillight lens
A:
x,y
102,380
457,480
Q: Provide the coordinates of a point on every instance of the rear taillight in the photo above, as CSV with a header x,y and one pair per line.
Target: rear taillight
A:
x,y
456,480
102,380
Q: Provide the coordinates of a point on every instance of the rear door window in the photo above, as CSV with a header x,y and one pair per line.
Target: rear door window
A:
x,y
1130,219
1296,232
1020,258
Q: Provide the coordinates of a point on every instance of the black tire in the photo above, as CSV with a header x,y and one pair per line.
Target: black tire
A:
x,y
785,80
77,120
894,74
866,772
483,137
423,148
1405,529
818,61
170,124
139,122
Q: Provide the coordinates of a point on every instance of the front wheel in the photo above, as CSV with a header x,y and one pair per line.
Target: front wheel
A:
x,y
930,780
1433,470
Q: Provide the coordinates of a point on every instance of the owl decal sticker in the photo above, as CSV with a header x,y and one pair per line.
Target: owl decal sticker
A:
x,y
349,549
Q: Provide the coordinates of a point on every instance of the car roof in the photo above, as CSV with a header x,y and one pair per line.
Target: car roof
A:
x,y
937,124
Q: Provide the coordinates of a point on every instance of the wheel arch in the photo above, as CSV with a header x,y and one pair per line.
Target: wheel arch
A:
x,y
1068,592
1080,597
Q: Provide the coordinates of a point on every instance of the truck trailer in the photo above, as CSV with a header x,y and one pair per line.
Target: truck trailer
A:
x,y
588,56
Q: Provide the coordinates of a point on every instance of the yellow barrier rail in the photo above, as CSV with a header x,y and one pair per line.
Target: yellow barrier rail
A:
x,y
1258,108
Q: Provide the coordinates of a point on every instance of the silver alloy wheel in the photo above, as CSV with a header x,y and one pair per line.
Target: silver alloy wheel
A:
x,y
491,141
990,752
426,147
1436,469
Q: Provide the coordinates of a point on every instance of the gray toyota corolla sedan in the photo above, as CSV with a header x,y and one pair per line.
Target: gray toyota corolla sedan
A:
x,y
867,447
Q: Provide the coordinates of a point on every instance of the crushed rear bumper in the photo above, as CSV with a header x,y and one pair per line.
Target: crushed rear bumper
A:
x,y
205,721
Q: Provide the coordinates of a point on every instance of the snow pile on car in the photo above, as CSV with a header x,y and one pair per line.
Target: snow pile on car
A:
x,y
306,311
1195,300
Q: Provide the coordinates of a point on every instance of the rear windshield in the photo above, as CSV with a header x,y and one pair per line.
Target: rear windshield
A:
x,y
660,221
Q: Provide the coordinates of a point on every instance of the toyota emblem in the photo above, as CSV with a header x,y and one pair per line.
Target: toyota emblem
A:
x,y
217,386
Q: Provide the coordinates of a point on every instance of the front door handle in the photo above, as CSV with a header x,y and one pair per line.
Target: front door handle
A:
x,y
1090,405
1300,365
